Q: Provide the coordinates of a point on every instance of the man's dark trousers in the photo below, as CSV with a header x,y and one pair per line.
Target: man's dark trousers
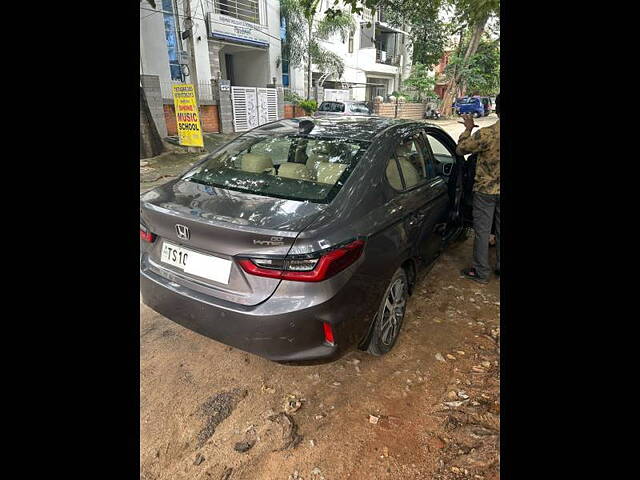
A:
x,y
485,207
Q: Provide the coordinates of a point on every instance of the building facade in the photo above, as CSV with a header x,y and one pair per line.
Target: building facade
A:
x,y
197,41
236,40
377,59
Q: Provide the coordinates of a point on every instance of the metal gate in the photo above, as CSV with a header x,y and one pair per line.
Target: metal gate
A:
x,y
253,106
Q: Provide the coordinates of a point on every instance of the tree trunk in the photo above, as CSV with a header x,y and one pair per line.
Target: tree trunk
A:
x,y
310,76
447,97
454,84
150,141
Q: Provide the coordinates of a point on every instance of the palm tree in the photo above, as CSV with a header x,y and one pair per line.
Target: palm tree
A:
x,y
303,34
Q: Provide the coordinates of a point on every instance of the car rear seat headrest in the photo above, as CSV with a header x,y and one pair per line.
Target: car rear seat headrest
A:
x,y
409,173
256,163
329,172
294,170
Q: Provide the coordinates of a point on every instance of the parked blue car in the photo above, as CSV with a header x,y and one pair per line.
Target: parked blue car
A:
x,y
472,105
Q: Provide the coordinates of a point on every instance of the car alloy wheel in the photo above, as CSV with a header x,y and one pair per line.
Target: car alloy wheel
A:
x,y
390,316
393,311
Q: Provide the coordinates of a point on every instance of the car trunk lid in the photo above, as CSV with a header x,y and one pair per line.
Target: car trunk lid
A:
x,y
224,224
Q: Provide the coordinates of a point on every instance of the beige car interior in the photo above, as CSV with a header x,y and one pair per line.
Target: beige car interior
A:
x,y
329,172
410,173
294,170
314,167
315,159
256,163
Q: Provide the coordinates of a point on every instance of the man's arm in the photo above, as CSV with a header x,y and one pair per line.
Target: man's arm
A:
x,y
468,143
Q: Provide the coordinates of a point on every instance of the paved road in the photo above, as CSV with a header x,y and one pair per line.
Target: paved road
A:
x,y
453,128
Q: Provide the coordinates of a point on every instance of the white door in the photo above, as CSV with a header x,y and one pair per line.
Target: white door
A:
x,y
267,105
245,108
253,106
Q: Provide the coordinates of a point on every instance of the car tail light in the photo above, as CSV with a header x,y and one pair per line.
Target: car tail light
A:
x,y
328,333
146,235
313,269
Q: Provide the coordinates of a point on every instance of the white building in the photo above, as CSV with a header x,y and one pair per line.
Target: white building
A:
x,y
376,58
235,40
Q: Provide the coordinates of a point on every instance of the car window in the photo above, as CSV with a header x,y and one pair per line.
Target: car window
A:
x,y
393,175
359,108
334,107
411,162
295,167
442,156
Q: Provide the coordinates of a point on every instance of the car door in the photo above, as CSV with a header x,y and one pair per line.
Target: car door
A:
x,y
432,213
453,170
406,174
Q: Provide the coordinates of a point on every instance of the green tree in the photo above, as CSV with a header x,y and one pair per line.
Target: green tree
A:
x,y
470,20
473,16
303,34
428,33
420,81
481,74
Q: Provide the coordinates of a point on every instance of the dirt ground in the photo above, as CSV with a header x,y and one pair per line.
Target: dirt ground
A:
x,y
435,396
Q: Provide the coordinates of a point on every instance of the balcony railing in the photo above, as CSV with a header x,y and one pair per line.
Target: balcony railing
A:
x,y
386,58
247,10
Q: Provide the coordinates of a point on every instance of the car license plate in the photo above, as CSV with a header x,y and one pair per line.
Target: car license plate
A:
x,y
194,263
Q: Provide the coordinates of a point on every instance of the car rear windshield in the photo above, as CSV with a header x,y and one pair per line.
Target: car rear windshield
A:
x,y
295,167
336,107
464,101
359,108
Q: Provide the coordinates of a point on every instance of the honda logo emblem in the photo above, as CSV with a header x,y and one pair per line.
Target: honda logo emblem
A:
x,y
183,232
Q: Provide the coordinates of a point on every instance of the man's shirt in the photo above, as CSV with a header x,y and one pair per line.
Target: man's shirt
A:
x,y
486,143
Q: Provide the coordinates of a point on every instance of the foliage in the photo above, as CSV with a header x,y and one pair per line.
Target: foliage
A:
x,y
309,106
292,97
481,73
420,81
473,12
299,44
429,34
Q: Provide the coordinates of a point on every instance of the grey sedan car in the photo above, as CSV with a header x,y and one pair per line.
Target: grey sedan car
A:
x,y
303,237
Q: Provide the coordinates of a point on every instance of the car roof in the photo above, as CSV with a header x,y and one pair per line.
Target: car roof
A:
x,y
349,127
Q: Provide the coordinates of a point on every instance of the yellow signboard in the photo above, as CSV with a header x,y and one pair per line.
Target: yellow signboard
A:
x,y
189,131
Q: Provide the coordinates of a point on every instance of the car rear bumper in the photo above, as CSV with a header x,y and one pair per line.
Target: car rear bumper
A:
x,y
285,337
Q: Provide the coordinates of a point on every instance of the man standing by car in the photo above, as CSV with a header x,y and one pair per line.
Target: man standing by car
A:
x,y
486,192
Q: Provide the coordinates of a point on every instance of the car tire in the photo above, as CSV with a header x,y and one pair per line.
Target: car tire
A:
x,y
390,316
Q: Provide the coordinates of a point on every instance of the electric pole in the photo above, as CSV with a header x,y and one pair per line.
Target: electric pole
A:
x,y
193,74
